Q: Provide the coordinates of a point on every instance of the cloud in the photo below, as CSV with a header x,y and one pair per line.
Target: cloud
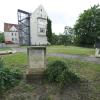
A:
x,y
61,12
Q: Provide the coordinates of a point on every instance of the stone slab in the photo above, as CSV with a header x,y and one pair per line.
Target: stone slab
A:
x,y
36,59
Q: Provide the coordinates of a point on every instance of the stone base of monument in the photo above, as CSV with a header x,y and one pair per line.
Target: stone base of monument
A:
x,y
34,78
97,52
37,62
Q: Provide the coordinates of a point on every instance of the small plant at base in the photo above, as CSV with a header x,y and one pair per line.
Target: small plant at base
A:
x,y
58,72
8,78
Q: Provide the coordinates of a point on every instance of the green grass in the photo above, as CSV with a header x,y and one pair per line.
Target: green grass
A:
x,y
17,60
86,70
71,50
3,49
66,50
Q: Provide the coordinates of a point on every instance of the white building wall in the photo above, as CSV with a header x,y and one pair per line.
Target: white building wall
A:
x,y
38,38
11,36
7,36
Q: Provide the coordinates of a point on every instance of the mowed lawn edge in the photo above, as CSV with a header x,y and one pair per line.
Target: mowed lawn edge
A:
x,y
73,50
86,70
20,60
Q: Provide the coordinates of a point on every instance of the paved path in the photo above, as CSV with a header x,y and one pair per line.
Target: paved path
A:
x,y
20,49
80,57
67,56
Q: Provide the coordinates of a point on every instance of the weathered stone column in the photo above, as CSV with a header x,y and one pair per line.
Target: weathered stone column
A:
x,y
36,59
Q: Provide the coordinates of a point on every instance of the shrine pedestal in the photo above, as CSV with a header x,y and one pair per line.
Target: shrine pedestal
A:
x,y
36,59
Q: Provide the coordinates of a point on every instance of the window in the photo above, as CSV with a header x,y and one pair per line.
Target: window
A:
x,y
42,30
16,39
41,15
42,21
41,10
15,34
12,39
12,34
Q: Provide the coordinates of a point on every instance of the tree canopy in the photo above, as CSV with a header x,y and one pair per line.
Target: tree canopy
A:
x,y
49,30
1,37
87,27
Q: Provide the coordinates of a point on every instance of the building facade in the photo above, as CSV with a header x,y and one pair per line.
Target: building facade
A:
x,y
11,33
38,23
35,24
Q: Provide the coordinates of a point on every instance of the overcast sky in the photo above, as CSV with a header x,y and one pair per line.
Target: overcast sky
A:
x,y
61,12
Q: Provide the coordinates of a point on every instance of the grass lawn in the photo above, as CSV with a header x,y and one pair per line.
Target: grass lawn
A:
x,y
65,49
86,70
3,49
17,60
71,50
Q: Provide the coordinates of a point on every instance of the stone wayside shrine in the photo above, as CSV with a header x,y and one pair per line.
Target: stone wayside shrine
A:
x,y
36,59
97,50
32,32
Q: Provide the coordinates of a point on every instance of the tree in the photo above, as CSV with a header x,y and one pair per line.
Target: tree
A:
x,y
1,37
61,39
87,27
69,35
49,30
54,39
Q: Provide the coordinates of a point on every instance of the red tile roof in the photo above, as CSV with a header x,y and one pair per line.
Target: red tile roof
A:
x,y
7,26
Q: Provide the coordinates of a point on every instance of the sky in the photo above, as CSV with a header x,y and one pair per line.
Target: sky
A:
x,y
61,12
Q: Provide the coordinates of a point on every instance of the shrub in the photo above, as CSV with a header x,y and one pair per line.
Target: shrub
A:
x,y
8,78
58,71
1,63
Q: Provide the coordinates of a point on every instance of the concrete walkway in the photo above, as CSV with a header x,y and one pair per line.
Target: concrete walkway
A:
x,y
80,57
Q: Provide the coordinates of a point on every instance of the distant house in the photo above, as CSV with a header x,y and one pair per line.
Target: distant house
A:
x,y
11,33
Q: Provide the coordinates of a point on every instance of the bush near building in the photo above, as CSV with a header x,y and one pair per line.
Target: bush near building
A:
x,y
58,72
